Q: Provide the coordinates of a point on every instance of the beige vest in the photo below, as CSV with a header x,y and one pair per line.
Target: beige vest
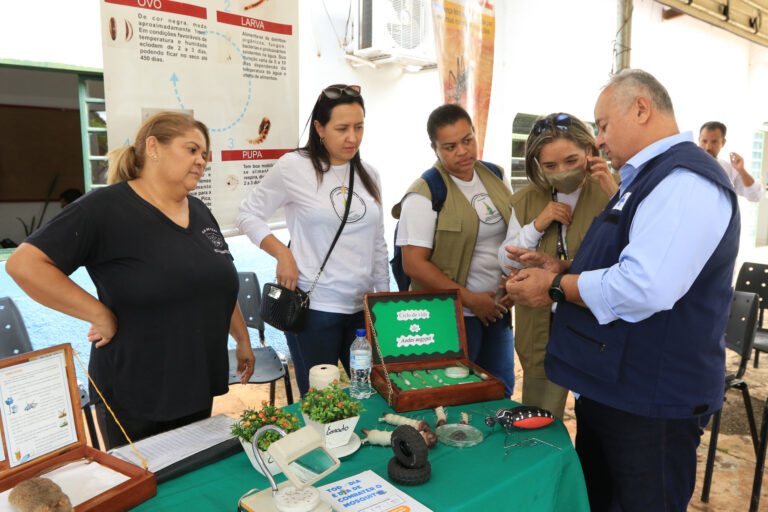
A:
x,y
457,222
532,324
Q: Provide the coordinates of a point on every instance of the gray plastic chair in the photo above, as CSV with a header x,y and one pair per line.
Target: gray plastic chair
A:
x,y
270,365
753,277
249,298
14,339
739,336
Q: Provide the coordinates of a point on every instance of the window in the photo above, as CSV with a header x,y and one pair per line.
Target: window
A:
x,y
54,137
521,127
93,130
758,149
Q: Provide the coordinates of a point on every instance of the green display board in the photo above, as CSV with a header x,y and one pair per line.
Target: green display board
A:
x,y
416,326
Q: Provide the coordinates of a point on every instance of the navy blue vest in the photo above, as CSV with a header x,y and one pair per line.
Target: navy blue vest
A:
x,y
670,365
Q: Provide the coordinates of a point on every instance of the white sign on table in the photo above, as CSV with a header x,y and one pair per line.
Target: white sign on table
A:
x,y
368,492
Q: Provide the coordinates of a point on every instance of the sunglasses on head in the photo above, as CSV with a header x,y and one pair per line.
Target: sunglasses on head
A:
x,y
333,92
561,122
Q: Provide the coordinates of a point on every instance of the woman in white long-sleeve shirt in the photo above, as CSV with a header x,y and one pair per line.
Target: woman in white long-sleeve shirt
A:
x,y
312,183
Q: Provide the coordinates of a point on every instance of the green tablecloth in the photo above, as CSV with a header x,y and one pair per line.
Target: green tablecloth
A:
x,y
529,478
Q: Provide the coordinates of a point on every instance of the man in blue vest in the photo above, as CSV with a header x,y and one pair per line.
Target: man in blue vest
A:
x,y
641,312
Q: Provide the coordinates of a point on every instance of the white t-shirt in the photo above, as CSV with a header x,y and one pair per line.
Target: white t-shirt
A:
x,y
752,193
527,237
313,212
417,227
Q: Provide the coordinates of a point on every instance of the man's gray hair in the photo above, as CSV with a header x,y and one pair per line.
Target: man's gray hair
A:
x,y
631,83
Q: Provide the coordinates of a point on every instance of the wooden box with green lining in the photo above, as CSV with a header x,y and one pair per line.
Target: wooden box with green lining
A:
x,y
421,339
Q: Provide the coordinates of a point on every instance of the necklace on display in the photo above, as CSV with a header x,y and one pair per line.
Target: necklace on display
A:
x,y
341,182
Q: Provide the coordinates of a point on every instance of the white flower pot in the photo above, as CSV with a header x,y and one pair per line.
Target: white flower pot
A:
x,y
268,460
336,433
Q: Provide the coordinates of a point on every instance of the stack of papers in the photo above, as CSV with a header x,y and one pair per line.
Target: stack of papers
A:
x,y
179,451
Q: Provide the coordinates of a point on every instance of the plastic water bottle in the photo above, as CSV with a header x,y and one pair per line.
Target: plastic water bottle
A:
x,y
360,367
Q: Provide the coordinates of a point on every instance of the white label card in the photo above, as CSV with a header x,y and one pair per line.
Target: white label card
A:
x,y
622,201
36,408
368,492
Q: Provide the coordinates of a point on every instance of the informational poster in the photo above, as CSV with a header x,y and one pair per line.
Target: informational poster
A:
x,y
464,42
232,64
36,408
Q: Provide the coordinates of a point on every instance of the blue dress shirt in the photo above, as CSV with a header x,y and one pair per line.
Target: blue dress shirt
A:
x,y
674,232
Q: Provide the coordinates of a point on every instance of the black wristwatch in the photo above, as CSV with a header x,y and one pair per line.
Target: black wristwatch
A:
x,y
556,292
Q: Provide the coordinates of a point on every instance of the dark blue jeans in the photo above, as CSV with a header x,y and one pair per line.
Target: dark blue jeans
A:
x,y
636,463
493,348
326,338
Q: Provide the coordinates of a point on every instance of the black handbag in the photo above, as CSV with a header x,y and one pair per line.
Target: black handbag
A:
x,y
286,309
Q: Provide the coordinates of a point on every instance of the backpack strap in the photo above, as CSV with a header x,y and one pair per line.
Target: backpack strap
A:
x,y
494,168
438,191
436,186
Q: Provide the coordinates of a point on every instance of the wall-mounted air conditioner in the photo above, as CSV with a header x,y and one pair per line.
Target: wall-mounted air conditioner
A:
x,y
395,30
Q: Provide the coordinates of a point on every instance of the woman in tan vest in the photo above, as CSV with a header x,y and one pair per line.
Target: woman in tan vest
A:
x,y
570,185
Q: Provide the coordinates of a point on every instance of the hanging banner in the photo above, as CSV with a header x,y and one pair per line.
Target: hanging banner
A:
x,y
232,64
464,36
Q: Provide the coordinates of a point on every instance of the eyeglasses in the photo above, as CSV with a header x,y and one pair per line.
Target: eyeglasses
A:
x,y
333,92
561,122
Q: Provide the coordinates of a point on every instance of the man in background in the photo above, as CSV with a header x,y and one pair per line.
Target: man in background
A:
x,y
712,140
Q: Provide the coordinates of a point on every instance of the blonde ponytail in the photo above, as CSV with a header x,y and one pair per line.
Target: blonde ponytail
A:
x,y
124,165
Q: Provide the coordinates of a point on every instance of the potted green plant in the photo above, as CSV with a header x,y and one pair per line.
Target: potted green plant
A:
x,y
252,420
332,412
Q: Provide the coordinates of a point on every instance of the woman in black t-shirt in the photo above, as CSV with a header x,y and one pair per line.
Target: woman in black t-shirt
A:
x,y
167,288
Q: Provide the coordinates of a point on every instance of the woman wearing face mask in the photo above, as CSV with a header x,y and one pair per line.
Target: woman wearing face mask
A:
x,y
312,183
570,185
